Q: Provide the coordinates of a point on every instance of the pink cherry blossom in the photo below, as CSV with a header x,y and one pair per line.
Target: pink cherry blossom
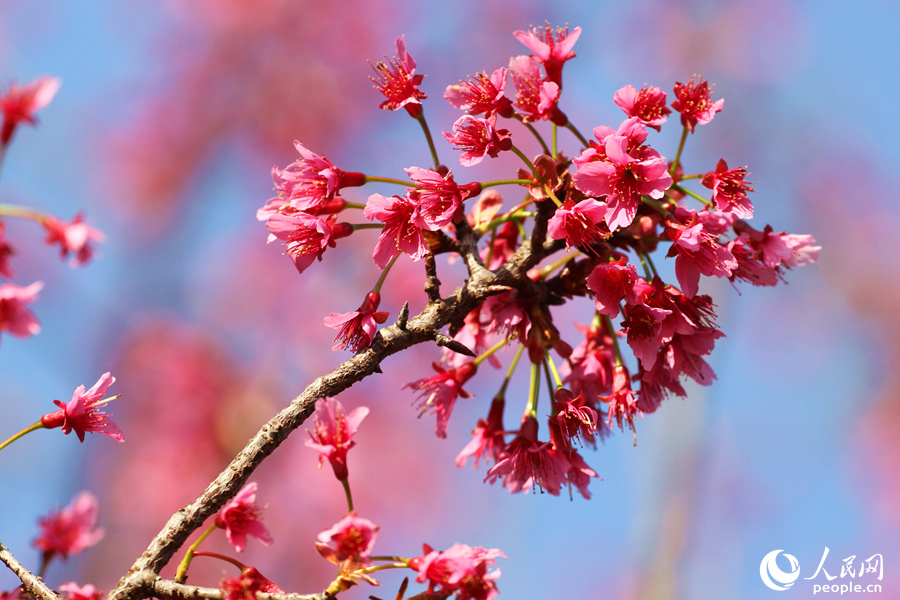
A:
x,y
352,538
460,569
552,48
72,529
631,129
241,517
74,237
478,138
623,179
694,104
357,329
402,230
333,430
730,189
579,474
399,83
438,196
527,464
580,225
623,407
697,250
612,283
536,97
20,102
306,237
574,418
246,586
592,362
487,438
73,591
83,412
439,392
15,318
648,105
13,594
482,94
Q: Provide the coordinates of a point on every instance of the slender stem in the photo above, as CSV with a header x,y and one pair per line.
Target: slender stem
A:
x,y
13,210
354,205
533,391
371,179
655,205
509,372
643,258
181,573
552,267
484,355
612,333
556,377
424,124
46,559
487,184
694,195
554,129
2,155
367,226
28,429
391,558
346,483
577,133
550,389
691,176
537,175
397,565
227,559
536,135
684,134
384,273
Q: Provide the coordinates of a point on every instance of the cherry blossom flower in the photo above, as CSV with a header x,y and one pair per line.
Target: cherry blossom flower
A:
x,y
402,230
73,591
478,138
631,129
647,105
592,362
246,586
70,530
579,224
694,104
82,414
574,418
730,189
780,249
351,539
460,569
439,392
13,594
487,437
552,48
356,329
482,94
333,431
306,237
612,283
536,97
438,196
74,237
241,517
750,267
623,179
623,405
20,102
398,82
697,250
15,318
527,463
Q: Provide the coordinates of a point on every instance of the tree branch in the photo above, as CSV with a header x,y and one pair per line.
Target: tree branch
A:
x,y
30,582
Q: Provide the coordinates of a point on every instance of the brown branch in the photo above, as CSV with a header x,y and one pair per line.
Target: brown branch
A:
x,y
166,589
32,584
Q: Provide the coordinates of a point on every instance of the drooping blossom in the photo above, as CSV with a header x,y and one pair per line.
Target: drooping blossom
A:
x,y
730,189
750,266
648,104
6,251
15,318
83,412
623,179
552,48
481,94
536,97
241,517
306,237
693,102
246,586
580,225
612,283
438,196
70,530
402,230
74,237
487,438
478,138
356,329
351,539
698,251
20,102
333,430
399,83
623,407
527,464
73,591
575,419
460,569
439,392
588,372
780,249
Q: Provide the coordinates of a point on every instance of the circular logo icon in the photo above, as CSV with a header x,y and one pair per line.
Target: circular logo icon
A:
x,y
774,577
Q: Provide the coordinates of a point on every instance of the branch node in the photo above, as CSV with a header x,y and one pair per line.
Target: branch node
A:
x,y
403,317
446,342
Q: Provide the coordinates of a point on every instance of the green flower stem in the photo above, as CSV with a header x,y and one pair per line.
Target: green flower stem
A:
x,y
487,184
227,559
346,484
550,389
533,384
554,129
371,179
577,133
424,124
612,332
556,377
694,195
384,273
398,559
692,176
396,565
13,210
503,219
181,573
484,355
367,226
684,134
643,258
354,205
655,205
537,175
510,371
550,268
535,133
28,429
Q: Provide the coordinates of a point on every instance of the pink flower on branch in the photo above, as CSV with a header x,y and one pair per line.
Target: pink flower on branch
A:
x,y
73,591
580,225
351,539
693,102
307,236
402,230
20,102
70,530
83,412
15,318
478,138
241,517
481,95
399,83
460,569
438,196
246,586
74,237
356,329
536,97
487,437
698,251
730,189
552,48
333,430
648,104
439,392
527,464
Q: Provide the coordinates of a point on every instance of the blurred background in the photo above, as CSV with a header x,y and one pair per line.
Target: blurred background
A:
x,y
169,119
